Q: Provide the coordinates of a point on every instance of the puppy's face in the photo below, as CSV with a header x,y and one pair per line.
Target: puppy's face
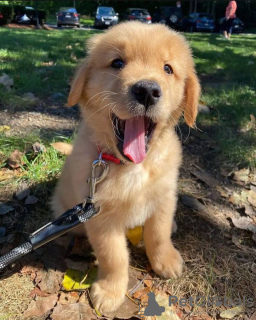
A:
x,y
136,80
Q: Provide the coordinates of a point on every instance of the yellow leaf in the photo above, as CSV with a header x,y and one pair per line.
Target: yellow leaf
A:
x,y
135,235
72,279
231,313
4,128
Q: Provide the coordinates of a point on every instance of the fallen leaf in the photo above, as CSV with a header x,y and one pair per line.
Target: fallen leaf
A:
x,y
32,270
252,198
31,200
51,281
135,235
253,317
148,283
222,192
15,159
239,199
141,295
6,81
249,211
23,191
231,313
4,128
241,175
62,147
206,178
244,223
40,306
38,147
5,208
37,292
68,297
72,311
72,279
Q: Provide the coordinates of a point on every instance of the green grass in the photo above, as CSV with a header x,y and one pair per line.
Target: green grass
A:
x,y
228,77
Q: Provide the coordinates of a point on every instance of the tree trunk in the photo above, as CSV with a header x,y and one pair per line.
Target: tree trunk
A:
x,y
195,8
191,6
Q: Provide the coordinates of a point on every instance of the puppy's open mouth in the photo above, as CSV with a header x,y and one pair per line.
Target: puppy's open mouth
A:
x,y
134,135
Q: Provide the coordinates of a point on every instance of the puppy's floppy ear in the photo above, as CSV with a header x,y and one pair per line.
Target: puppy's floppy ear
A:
x,y
82,73
192,93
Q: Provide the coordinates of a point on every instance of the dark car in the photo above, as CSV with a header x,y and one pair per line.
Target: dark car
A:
x,y
138,14
105,17
172,16
238,25
199,22
68,16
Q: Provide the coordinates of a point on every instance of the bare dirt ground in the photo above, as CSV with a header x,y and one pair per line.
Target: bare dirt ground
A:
x,y
216,236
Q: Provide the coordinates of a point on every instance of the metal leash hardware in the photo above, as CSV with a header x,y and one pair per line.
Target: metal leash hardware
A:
x,y
64,223
93,180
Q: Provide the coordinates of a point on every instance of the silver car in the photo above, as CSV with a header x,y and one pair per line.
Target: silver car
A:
x,y
105,17
68,16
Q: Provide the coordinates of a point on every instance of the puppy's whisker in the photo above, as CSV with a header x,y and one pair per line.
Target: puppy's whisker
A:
x,y
98,111
102,92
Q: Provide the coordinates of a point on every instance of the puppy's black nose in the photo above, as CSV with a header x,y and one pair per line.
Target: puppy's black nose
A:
x,y
147,92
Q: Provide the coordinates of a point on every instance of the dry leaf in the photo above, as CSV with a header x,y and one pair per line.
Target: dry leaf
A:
x,y
73,311
244,223
68,297
51,281
241,175
252,198
37,292
206,178
40,306
38,147
253,317
249,211
148,283
15,159
222,192
231,313
62,147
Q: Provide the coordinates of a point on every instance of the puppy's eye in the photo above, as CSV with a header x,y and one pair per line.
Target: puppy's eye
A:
x,y
117,64
168,69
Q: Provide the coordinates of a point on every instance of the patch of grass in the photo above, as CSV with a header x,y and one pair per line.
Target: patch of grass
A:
x,y
228,78
40,61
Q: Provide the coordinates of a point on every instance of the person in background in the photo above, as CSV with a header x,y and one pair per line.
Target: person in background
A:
x,y
229,19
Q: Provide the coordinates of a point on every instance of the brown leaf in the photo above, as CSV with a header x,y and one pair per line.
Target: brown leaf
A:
x,y
148,283
37,292
40,306
252,198
141,295
63,148
206,178
244,223
249,211
68,297
241,175
51,281
72,311
32,269
253,317
38,147
223,192
15,159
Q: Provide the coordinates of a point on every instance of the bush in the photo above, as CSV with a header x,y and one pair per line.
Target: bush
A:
x,y
6,14
31,13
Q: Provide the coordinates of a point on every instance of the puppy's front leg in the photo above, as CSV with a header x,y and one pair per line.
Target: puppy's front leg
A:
x,y
109,244
165,260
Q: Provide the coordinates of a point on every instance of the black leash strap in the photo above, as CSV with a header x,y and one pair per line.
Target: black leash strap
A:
x,y
64,223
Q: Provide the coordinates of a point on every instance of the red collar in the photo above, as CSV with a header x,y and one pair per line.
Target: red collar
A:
x,y
106,156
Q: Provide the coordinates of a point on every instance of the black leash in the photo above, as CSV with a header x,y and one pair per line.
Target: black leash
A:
x,y
64,223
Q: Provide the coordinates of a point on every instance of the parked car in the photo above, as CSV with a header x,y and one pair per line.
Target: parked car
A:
x,y
138,14
172,16
238,25
105,17
68,16
199,22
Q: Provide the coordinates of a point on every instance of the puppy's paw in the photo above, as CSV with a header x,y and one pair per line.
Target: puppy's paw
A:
x,y
106,296
168,263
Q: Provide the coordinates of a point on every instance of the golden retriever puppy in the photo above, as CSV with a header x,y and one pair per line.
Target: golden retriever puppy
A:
x,y
135,83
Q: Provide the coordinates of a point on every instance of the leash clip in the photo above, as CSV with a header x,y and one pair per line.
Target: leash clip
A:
x,y
94,180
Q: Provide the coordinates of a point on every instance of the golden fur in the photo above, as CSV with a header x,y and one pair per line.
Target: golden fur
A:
x,y
132,194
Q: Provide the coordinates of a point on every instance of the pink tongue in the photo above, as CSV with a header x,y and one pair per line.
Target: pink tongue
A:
x,y
134,139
